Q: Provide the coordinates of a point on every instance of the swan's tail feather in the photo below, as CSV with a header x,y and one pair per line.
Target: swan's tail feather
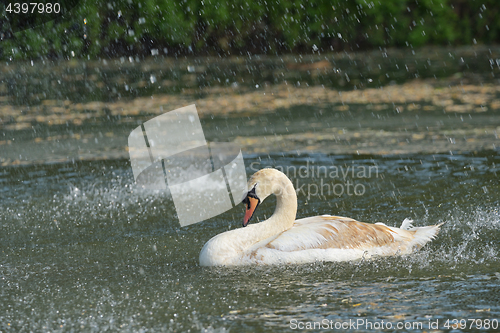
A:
x,y
407,224
424,235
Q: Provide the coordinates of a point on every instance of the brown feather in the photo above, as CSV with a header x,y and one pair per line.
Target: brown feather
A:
x,y
349,234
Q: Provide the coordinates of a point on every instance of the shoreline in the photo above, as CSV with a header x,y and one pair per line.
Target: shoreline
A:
x,y
58,131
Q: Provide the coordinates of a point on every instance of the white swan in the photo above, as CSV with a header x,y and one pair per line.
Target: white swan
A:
x,y
283,240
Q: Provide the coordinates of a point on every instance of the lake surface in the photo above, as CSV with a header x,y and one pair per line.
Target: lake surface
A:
x,y
83,248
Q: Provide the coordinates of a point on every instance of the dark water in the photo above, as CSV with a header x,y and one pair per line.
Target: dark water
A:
x,y
30,83
84,249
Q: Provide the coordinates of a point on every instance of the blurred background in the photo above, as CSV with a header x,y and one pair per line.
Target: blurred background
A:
x,y
222,28
409,88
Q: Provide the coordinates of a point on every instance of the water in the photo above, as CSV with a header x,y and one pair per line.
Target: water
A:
x,y
32,83
84,249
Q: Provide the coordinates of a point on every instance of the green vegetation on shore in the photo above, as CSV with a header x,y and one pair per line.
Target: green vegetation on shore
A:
x,y
214,27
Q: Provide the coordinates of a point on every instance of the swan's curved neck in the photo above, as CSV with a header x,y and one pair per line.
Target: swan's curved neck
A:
x,y
286,205
283,216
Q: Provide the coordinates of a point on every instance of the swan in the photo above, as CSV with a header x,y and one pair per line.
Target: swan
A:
x,y
283,240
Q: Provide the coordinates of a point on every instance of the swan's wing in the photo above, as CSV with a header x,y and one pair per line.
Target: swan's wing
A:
x,y
335,232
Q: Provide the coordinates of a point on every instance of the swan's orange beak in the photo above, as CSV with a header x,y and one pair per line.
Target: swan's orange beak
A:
x,y
251,202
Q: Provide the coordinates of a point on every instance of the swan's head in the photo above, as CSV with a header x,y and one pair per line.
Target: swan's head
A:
x,y
251,201
262,184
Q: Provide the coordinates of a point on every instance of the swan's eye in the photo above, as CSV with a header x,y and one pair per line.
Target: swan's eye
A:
x,y
252,193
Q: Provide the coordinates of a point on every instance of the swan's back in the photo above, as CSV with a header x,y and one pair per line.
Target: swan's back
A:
x,y
335,238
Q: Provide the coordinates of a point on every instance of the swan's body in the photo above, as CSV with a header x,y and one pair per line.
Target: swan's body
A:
x,y
283,240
